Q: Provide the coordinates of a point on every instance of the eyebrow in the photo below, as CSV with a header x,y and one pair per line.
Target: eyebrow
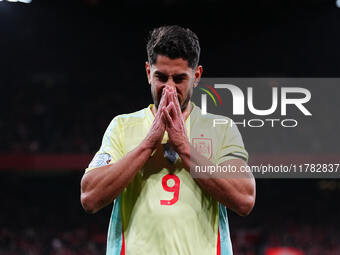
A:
x,y
181,75
161,74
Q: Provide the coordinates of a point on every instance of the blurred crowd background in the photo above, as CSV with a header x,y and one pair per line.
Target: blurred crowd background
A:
x,y
68,67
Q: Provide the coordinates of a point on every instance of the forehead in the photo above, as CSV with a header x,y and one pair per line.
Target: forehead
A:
x,y
171,66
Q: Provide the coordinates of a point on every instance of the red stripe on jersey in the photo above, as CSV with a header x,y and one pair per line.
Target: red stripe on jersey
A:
x,y
218,243
122,251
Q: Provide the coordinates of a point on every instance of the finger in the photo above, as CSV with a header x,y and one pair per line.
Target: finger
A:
x,y
171,108
176,102
177,110
162,118
168,118
168,94
164,99
169,91
174,96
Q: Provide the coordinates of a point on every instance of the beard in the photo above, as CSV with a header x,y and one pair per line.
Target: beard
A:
x,y
157,99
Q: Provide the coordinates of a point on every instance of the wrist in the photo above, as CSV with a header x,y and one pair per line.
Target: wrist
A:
x,y
183,148
146,146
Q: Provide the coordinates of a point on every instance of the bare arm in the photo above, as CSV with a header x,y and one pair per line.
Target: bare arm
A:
x,y
236,190
100,186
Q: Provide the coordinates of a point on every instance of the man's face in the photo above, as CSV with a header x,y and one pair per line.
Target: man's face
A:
x,y
173,73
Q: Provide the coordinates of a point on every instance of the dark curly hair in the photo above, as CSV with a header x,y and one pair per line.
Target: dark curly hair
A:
x,y
174,42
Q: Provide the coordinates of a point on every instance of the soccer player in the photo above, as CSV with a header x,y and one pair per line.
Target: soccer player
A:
x,y
144,162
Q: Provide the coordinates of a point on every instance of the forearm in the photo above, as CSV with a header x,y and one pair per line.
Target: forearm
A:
x,y
235,190
101,185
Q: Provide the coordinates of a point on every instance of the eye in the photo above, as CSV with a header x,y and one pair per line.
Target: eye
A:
x,y
162,77
179,79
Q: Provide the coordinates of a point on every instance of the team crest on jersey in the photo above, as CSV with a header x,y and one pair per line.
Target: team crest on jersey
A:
x,y
203,146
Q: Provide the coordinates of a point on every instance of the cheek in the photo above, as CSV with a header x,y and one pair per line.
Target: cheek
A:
x,y
156,89
185,89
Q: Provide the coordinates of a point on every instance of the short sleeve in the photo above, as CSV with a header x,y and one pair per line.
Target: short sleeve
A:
x,y
111,148
232,146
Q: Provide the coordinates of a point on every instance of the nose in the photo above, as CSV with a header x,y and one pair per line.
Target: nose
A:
x,y
170,83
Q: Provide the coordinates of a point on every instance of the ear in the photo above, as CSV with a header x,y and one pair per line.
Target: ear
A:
x,y
148,71
198,74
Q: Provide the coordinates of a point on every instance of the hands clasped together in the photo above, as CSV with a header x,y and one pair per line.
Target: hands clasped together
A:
x,y
168,118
